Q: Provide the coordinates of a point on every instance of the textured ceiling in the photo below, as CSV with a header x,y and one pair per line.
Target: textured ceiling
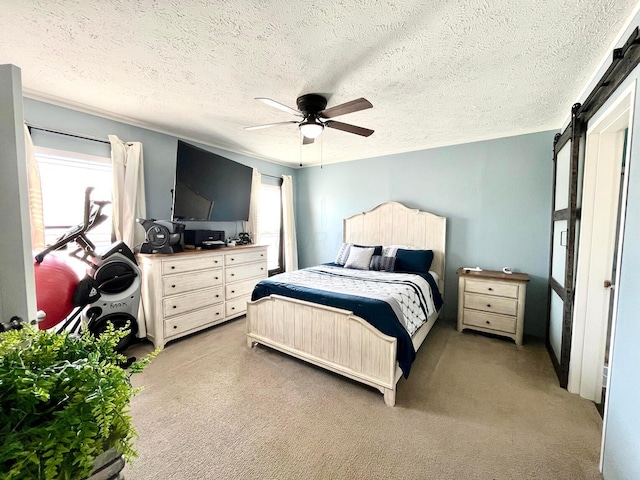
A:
x,y
438,72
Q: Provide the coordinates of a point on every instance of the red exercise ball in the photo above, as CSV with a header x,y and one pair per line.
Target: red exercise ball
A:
x,y
55,284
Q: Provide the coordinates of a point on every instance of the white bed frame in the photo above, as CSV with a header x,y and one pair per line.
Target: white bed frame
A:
x,y
337,339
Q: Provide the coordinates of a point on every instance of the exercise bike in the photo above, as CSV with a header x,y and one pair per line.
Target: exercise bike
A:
x,y
108,293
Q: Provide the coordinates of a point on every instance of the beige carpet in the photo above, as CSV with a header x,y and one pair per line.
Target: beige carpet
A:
x,y
473,407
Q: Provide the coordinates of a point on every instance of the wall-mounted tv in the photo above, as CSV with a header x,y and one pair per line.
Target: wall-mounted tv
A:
x,y
209,186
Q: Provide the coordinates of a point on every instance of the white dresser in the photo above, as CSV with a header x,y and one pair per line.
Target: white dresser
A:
x,y
492,302
186,292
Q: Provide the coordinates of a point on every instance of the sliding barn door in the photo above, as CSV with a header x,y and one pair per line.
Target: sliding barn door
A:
x,y
568,158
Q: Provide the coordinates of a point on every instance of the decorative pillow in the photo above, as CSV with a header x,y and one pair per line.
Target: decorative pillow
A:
x,y
413,260
390,251
381,263
359,258
377,248
343,253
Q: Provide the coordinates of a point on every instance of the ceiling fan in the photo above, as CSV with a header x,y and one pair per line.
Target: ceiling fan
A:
x,y
315,116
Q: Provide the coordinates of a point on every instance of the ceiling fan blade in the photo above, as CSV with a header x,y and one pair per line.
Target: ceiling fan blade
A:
x,y
344,108
267,125
345,127
279,106
307,141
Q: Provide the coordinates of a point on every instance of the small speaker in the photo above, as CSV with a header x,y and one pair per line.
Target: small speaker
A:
x,y
118,279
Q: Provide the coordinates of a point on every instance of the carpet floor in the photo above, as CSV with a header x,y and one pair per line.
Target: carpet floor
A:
x,y
474,407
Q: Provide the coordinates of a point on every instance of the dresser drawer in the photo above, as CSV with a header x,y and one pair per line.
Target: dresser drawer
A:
x,y
186,282
238,289
198,262
177,304
501,289
193,320
500,323
237,306
242,272
492,304
244,257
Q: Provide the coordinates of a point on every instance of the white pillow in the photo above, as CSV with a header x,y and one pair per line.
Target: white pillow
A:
x,y
391,250
359,258
343,253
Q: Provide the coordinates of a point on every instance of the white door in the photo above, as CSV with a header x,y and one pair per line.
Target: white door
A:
x,y
602,220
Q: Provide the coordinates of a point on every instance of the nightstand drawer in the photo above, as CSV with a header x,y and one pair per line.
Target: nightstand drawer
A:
x,y
501,289
500,323
178,304
492,304
186,282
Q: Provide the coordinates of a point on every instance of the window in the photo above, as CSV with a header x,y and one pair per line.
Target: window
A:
x,y
270,225
64,177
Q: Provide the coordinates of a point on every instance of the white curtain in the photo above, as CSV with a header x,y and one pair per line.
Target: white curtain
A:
x,y
289,226
36,215
252,224
128,197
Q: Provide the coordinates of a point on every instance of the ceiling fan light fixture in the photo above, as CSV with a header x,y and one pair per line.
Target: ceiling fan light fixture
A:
x,y
311,129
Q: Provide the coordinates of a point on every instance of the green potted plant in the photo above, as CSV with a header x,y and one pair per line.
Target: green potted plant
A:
x,y
64,402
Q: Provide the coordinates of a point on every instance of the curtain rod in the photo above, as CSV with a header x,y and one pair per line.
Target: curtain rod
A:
x,y
272,176
58,132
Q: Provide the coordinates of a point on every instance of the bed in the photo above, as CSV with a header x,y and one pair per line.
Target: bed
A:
x,y
336,338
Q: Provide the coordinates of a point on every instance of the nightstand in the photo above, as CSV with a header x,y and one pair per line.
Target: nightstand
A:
x,y
492,302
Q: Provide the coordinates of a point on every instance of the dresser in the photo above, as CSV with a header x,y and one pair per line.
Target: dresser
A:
x,y
183,293
493,302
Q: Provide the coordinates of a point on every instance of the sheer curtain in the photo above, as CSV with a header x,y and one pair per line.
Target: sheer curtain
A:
x,y
254,203
290,259
128,201
35,195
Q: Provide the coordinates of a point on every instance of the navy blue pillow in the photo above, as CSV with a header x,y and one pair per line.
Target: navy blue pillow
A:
x,y
413,260
377,249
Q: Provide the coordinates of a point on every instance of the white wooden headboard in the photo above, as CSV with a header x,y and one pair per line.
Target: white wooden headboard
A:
x,y
391,223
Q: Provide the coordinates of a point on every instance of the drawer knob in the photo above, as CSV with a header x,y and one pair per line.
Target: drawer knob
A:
x,y
488,322
175,326
175,306
216,278
262,254
173,286
490,289
217,313
233,274
233,291
489,305
233,259
261,268
233,308
217,296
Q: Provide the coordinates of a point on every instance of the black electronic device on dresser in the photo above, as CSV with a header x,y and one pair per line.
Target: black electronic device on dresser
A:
x,y
204,238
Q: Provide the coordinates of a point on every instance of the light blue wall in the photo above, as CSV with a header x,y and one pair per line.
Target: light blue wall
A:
x,y
159,152
495,194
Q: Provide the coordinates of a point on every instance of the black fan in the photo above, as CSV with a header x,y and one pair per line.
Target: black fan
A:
x,y
315,116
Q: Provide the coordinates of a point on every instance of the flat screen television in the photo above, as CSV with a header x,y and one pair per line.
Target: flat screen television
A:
x,y
209,186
